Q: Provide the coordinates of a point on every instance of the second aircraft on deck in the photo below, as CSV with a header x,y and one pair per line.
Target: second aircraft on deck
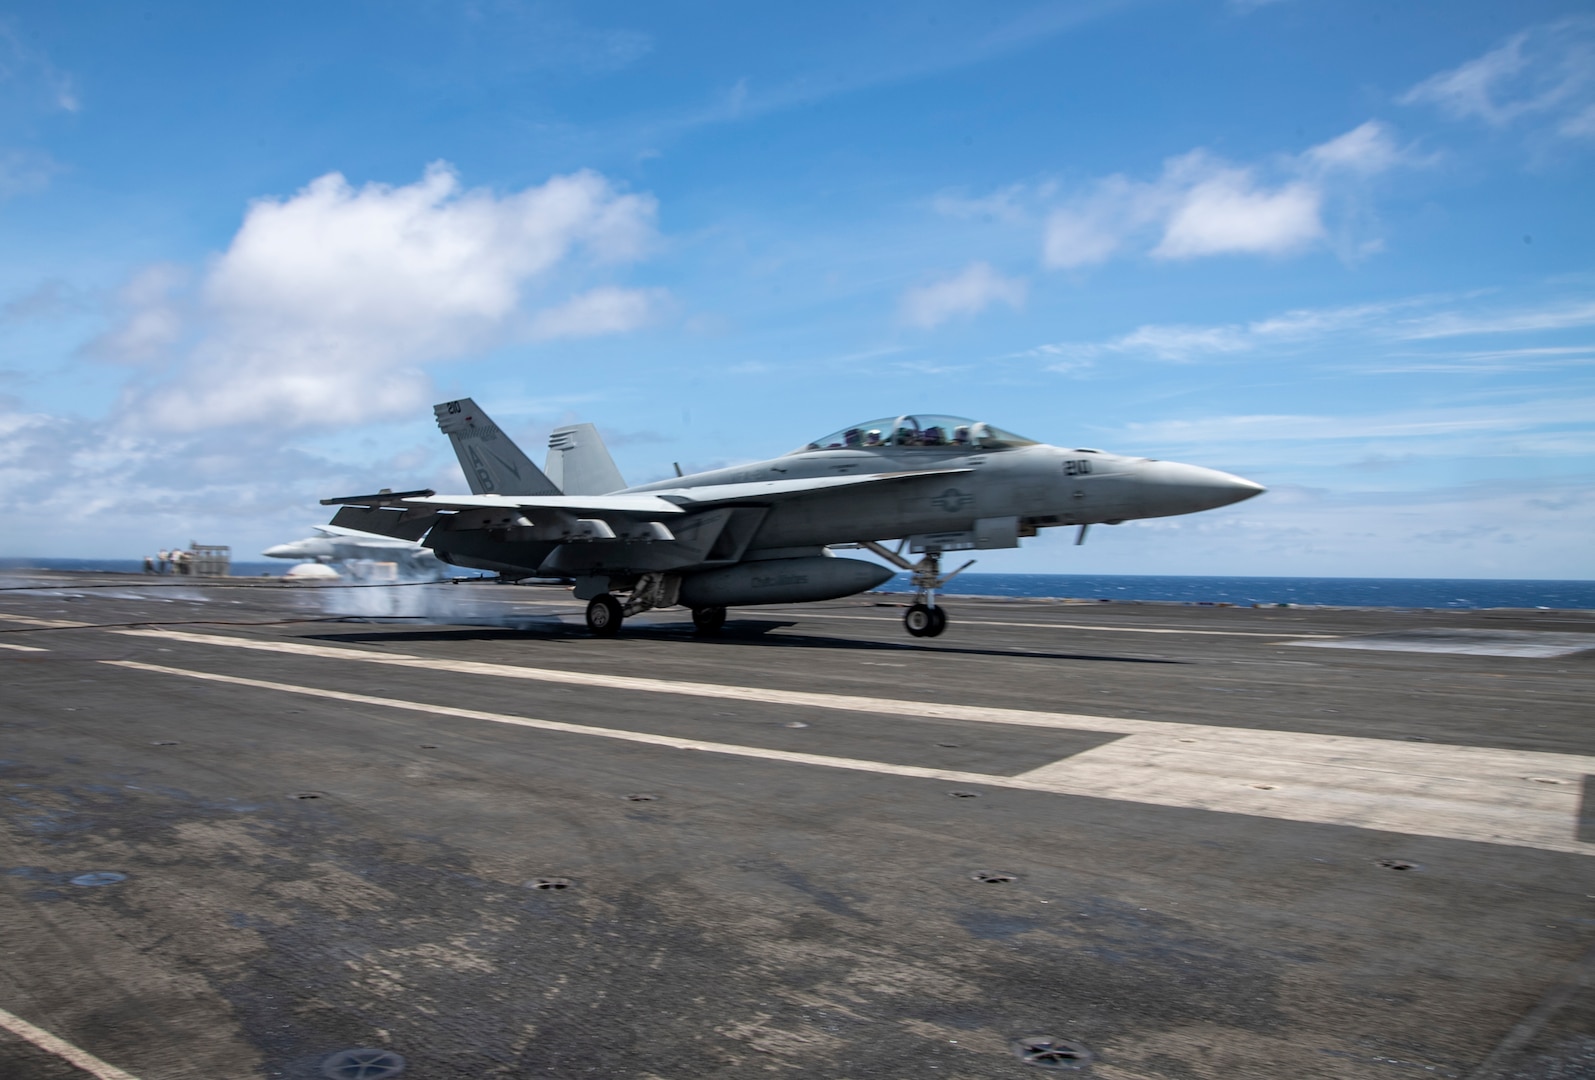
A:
x,y
762,533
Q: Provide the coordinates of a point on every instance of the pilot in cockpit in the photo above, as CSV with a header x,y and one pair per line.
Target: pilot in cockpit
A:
x,y
961,435
872,437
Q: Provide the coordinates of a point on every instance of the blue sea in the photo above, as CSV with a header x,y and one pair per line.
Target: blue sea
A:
x,y
1458,593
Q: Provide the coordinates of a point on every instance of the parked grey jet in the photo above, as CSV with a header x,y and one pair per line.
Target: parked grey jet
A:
x,y
334,544
763,533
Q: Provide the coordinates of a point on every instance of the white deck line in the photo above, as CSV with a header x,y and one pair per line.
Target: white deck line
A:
x,y
1074,626
61,1048
1510,797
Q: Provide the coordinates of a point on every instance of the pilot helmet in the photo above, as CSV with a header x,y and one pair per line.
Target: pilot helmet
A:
x,y
872,437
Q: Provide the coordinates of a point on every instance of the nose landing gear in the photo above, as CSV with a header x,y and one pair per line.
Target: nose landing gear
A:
x,y
924,618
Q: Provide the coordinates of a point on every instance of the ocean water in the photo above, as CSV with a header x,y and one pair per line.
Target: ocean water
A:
x,y
268,568
1456,593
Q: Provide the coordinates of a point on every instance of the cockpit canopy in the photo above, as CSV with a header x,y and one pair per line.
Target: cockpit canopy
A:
x,y
920,431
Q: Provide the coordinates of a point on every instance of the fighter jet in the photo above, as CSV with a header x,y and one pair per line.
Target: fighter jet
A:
x,y
333,544
764,533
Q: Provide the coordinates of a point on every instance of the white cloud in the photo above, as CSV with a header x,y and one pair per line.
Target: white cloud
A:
x,y
1546,69
968,293
1226,212
1565,316
1466,419
1092,227
151,323
1009,205
37,80
1369,331
1581,125
326,304
23,172
1366,149
1183,342
1202,205
605,310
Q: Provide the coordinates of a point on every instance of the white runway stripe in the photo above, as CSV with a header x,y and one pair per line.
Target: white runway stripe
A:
x,y
669,741
1064,626
1517,798
871,705
61,1048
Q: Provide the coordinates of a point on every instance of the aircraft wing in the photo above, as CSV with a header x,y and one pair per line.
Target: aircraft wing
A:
x,y
646,506
765,492
642,505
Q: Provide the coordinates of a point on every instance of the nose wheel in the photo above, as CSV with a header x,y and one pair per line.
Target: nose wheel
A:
x,y
922,620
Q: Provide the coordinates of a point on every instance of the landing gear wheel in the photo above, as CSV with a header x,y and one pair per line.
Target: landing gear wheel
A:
x,y
604,615
919,620
708,620
938,622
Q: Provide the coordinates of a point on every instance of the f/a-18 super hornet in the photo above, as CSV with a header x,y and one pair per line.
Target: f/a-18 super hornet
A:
x,y
763,533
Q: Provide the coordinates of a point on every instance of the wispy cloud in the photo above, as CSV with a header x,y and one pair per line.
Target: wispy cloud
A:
x,y
1202,205
1378,325
1530,320
886,63
32,76
1316,428
1186,342
967,293
1490,361
1545,70
24,172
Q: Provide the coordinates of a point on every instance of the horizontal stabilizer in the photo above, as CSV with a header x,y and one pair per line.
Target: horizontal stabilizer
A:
x,y
381,498
400,526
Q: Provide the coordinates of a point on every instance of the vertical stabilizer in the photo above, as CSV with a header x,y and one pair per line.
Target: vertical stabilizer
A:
x,y
493,464
579,462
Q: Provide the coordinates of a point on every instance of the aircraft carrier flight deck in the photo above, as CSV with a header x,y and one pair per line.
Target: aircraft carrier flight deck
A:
x,y
250,828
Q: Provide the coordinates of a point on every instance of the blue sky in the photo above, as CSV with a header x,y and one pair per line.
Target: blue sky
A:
x,y
1344,249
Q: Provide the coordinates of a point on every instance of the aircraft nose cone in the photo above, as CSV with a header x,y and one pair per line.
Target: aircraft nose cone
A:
x,y
281,551
1185,489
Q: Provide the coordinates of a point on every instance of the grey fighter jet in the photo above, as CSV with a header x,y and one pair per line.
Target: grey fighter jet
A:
x,y
351,547
763,533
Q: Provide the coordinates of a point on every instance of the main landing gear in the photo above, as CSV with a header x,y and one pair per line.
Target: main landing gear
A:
x,y
707,621
604,614
924,618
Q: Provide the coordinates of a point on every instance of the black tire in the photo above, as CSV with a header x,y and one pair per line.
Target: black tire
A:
x,y
918,620
938,622
708,620
604,615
